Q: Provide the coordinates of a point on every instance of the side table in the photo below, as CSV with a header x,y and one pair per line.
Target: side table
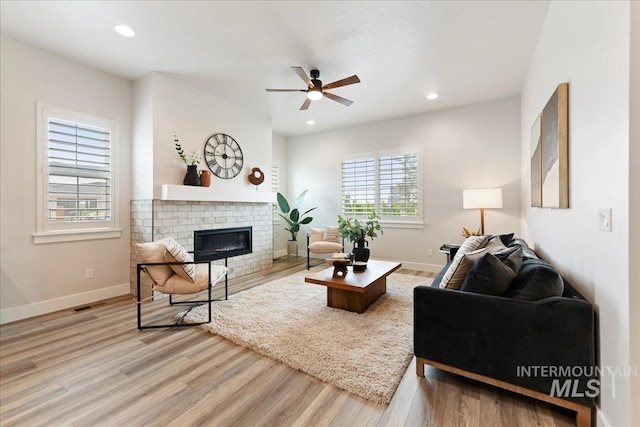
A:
x,y
450,250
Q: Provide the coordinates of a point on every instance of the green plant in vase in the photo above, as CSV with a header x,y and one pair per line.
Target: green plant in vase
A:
x,y
357,232
294,218
192,160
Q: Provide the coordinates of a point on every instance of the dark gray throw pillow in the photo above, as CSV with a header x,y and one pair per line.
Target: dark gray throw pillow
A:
x,y
493,273
535,280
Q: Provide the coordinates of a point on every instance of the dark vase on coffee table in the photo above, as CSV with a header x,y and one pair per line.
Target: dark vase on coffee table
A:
x,y
361,251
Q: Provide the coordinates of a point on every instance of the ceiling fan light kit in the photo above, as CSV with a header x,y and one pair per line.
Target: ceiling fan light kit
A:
x,y
315,90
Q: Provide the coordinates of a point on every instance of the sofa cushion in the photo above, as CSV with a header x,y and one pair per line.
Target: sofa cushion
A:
x,y
492,274
331,234
325,247
457,271
315,235
535,280
153,252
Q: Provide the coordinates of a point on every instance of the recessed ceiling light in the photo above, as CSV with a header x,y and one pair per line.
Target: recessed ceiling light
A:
x,y
124,30
432,96
311,122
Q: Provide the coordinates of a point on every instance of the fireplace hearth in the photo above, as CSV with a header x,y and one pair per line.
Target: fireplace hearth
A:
x,y
221,243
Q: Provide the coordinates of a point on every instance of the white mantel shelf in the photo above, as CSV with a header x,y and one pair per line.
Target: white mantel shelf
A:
x,y
212,194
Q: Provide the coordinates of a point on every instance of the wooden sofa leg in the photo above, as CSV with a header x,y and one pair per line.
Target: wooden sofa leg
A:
x,y
583,416
420,366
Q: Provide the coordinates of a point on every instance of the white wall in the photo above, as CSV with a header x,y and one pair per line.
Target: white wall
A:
x,y
42,278
196,115
469,147
587,45
634,208
142,139
280,157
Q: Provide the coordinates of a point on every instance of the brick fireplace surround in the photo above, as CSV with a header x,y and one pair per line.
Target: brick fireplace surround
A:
x,y
156,219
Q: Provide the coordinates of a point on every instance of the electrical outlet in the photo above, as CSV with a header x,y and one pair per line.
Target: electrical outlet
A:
x,y
89,273
430,252
604,219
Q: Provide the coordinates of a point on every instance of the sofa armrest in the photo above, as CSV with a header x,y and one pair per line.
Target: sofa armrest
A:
x,y
498,337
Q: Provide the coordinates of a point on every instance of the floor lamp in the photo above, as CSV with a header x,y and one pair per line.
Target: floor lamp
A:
x,y
482,198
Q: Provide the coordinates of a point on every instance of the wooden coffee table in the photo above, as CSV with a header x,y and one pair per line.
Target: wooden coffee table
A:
x,y
357,290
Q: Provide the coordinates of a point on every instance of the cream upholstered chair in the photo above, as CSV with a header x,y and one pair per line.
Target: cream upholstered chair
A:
x,y
173,271
323,241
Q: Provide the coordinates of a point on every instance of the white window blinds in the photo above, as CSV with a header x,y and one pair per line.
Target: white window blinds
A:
x,y
79,172
398,177
358,186
387,182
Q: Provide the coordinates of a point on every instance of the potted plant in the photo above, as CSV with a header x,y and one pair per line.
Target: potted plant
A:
x,y
357,232
294,219
192,161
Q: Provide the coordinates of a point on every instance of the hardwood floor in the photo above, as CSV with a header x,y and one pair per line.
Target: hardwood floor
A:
x,y
93,367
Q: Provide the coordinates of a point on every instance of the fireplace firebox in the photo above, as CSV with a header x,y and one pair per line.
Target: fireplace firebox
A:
x,y
221,243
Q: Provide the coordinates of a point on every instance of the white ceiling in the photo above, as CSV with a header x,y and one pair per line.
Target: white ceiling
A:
x,y
467,51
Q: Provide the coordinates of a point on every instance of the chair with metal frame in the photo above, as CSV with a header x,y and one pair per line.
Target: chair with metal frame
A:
x,y
323,241
168,276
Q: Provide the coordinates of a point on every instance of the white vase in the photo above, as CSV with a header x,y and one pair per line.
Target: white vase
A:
x,y
292,247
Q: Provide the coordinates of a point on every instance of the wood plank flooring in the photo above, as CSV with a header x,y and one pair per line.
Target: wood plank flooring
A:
x,y
94,368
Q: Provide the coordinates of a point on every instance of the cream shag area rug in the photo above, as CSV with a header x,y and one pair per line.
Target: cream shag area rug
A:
x,y
288,320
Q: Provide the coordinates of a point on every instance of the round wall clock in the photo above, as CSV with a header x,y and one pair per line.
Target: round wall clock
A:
x,y
223,156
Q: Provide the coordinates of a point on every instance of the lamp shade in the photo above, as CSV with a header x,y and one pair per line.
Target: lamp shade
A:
x,y
486,198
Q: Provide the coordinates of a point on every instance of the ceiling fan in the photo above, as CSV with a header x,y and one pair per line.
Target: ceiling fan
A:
x,y
315,90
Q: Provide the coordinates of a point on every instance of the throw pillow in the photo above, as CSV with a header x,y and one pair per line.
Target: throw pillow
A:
x,y
472,243
153,252
495,245
176,253
506,238
492,274
457,271
535,280
331,234
315,235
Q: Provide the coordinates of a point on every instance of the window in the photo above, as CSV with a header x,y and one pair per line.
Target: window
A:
x,y
388,182
76,172
275,188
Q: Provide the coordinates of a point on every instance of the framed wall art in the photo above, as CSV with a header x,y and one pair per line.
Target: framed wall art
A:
x,y
551,180
536,163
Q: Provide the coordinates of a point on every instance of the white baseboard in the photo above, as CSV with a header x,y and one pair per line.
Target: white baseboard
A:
x,y
278,254
13,314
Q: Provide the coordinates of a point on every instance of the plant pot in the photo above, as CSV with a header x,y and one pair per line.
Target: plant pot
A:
x,y
361,251
292,247
192,177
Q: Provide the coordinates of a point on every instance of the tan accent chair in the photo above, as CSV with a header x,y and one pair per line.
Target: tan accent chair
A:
x,y
171,268
323,241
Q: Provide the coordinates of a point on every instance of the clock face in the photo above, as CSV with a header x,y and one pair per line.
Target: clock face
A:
x,y
223,156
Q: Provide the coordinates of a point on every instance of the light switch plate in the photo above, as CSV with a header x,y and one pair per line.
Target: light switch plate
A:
x,y
604,219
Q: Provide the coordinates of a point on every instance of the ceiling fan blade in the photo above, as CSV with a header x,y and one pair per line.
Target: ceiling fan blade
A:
x,y
341,100
344,82
285,90
305,104
303,75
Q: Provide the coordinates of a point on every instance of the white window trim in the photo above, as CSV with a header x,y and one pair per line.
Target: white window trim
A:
x,y
276,220
46,232
391,222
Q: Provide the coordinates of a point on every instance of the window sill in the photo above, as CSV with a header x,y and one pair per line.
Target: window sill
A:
x,y
76,235
402,224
